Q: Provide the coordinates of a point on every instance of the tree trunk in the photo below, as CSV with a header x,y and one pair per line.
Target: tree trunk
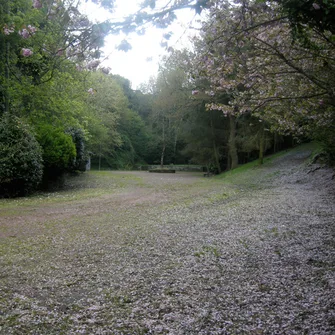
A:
x,y
7,79
228,161
99,156
274,143
232,143
215,149
261,146
175,147
7,49
164,145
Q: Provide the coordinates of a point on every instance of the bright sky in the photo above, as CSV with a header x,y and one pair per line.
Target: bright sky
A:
x,y
134,64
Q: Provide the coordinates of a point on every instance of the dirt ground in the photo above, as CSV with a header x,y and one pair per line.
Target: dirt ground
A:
x,y
146,253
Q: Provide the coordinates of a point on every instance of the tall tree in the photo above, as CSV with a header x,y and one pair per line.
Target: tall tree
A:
x,y
248,50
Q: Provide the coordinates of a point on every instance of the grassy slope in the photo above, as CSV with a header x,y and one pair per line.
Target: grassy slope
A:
x,y
254,166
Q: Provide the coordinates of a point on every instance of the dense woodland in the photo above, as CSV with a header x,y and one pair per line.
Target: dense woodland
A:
x,y
260,77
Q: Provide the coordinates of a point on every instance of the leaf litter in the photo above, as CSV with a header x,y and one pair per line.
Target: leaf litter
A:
x,y
175,254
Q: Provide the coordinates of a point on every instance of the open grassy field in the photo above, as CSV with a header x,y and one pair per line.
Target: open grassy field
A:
x,y
251,251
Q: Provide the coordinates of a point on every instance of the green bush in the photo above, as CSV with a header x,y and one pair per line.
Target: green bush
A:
x,y
21,164
78,138
326,136
59,151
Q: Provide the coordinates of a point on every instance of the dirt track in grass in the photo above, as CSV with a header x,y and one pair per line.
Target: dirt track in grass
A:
x,y
145,253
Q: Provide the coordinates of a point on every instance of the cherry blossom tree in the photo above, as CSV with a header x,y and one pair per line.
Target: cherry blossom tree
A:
x,y
247,50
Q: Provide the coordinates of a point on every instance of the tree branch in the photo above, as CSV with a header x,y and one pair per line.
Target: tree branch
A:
x,y
315,81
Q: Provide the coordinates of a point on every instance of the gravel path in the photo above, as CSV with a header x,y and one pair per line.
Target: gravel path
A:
x,y
177,254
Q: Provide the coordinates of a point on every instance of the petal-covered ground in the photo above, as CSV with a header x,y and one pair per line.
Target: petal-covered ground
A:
x,y
141,253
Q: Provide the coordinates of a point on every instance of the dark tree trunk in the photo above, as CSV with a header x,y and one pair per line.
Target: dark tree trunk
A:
x,y
175,148
164,145
215,149
274,143
261,146
233,158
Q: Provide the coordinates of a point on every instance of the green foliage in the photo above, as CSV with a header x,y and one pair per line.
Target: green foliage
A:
x,y
105,107
316,14
20,158
135,136
78,138
117,134
170,104
326,136
59,151
205,133
253,136
124,156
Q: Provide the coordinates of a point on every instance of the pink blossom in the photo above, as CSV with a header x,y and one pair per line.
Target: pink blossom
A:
x,y
106,70
37,4
93,65
31,29
52,11
84,22
26,52
69,52
8,30
195,92
211,93
316,6
24,33
90,91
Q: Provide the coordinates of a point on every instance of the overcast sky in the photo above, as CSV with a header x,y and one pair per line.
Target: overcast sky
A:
x,y
141,62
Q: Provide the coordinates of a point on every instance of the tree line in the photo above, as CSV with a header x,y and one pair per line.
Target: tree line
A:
x,y
260,76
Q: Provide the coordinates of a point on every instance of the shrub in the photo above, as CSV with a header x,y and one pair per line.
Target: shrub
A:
x,y
59,151
326,136
21,164
78,138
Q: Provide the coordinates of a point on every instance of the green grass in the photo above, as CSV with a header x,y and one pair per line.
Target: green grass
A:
x,y
86,186
246,170
95,184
